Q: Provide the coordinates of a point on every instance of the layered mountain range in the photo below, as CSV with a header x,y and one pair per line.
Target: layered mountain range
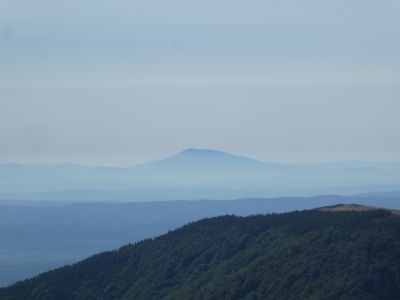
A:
x,y
194,174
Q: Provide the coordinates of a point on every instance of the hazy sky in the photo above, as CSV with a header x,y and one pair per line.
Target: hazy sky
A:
x,y
122,82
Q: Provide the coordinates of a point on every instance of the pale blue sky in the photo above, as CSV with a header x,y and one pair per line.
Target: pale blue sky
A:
x,y
121,82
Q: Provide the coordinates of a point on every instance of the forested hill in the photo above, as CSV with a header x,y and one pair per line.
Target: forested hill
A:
x,y
300,255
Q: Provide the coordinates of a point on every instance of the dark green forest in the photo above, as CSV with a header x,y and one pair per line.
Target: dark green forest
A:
x,y
299,255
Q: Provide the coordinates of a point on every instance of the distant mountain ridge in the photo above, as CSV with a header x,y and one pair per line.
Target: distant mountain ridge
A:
x,y
219,175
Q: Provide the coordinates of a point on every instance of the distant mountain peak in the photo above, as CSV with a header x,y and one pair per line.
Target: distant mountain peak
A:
x,y
198,151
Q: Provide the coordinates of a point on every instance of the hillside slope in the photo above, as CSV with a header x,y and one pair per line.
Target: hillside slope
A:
x,y
300,255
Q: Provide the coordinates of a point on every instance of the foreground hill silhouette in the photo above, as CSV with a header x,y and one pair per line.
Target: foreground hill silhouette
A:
x,y
314,254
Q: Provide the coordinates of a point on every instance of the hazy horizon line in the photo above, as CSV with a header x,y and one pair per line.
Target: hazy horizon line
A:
x,y
99,165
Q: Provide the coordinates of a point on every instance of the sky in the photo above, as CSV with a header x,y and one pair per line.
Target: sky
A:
x,y
123,82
